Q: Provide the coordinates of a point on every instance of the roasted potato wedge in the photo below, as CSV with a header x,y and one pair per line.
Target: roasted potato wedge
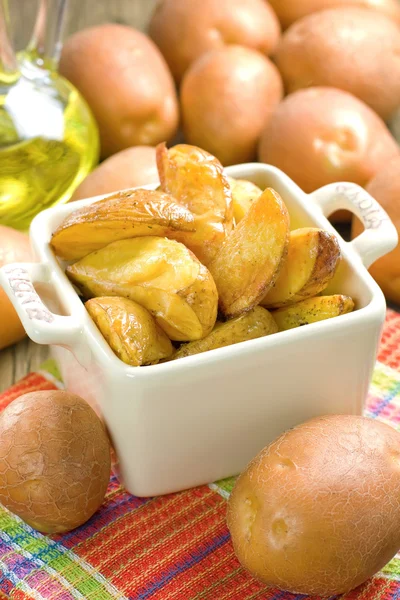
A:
x,y
312,310
197,180
256,323
249,261
161,275
313,256
123,215
243,194
130,330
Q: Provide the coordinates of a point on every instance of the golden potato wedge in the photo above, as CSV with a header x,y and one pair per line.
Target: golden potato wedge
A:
x,y
249,261
243,194
130,330
161,275
123,215
256,323
197,180
313,256
312,310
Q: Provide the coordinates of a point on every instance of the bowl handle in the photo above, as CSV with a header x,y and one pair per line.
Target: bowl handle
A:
x,y
380,235
41,325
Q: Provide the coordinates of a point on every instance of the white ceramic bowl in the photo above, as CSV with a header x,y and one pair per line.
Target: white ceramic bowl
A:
x,y
201,418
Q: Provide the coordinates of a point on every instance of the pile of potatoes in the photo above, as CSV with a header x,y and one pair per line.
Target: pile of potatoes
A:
x,y
306,85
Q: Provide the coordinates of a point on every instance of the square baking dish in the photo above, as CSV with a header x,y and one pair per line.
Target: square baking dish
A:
x,y
202,418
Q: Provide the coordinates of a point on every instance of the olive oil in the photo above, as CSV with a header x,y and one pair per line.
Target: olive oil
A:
x,y
49,139
41,163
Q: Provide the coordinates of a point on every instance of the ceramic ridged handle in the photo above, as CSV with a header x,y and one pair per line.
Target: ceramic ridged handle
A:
x,y
380,235
41,325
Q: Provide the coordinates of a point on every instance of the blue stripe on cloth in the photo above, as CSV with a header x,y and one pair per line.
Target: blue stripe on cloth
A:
x,y
181,567
392,392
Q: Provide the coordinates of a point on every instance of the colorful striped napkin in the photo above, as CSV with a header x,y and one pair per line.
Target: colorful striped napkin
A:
x,y
175,547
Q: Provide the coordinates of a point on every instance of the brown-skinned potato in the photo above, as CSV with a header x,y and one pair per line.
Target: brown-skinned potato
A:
x,y
219,112
322,498
333,137
196,180
130,330
313,256
56,476
256,323
385,188
161,275
312,310
185,30
126,169
249,261
124,78
122,215
313,53
290,11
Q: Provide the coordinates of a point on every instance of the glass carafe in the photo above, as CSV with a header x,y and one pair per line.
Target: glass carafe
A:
x,y
48,137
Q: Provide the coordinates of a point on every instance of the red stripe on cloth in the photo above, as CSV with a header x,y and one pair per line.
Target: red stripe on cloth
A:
x,y
389,350
31,383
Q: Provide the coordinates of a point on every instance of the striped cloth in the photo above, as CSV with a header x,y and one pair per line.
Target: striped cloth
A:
x,y
175,547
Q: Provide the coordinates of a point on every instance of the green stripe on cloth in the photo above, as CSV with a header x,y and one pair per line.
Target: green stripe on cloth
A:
x,y
43,553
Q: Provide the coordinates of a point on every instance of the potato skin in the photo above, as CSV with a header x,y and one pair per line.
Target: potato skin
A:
x,y
290,11
333,137
126,82
195,178
123,215
312,53
249,261
219,112
312,310
385,188
128,168
161,275
56,477
184,30
322,498
251,325
130,330
312,260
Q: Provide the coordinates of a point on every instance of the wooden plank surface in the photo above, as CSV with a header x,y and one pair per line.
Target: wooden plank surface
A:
x,y
82,13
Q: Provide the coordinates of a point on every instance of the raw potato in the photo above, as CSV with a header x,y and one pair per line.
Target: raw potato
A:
x,y
130,330
385,188
184,30
313,256
54,460
196,180
322,498
123,215
249,261
351,48
126,83
227,98
129,168
14,247
256,323
161,275
312,310
333,137
243,194
290,11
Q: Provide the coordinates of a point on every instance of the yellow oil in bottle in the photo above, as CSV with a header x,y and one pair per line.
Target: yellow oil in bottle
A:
x,y
48,144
